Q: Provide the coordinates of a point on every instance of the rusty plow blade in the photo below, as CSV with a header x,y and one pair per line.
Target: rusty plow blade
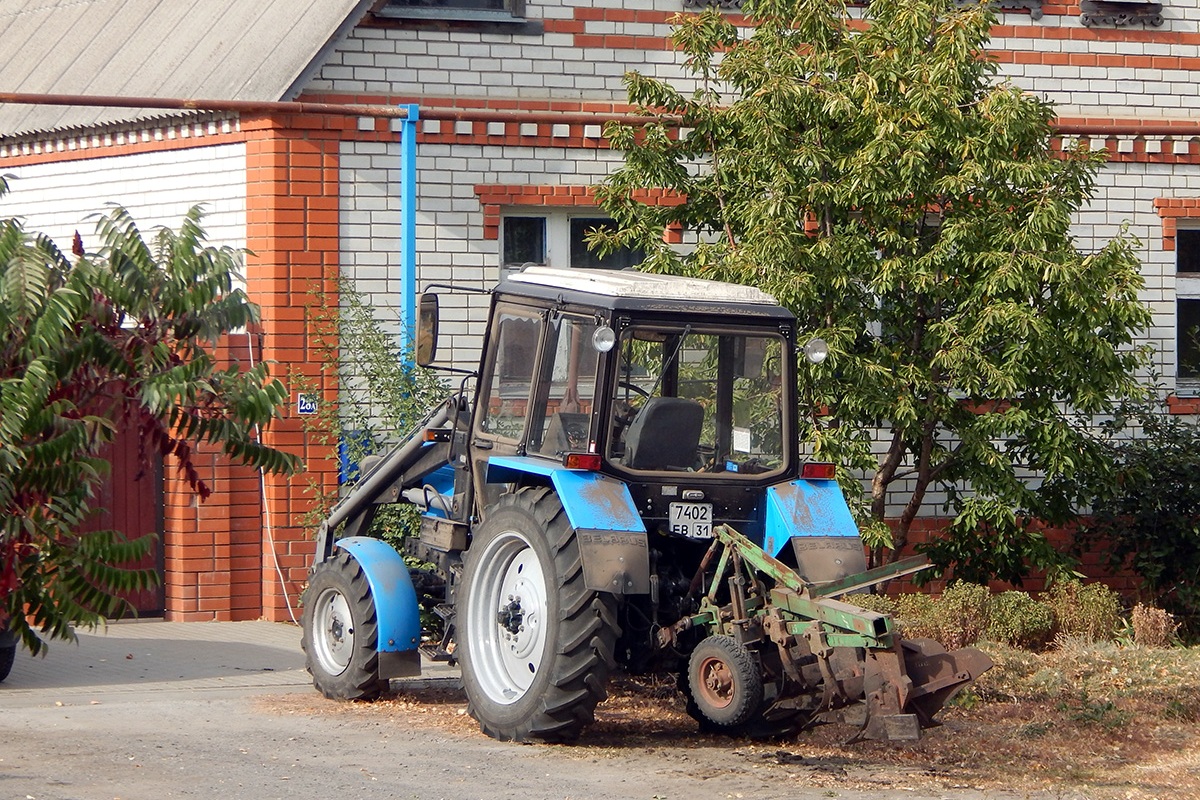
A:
x,y
937,675
903,689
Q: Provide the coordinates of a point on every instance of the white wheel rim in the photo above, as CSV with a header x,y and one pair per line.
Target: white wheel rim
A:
x,y
333,632
506,616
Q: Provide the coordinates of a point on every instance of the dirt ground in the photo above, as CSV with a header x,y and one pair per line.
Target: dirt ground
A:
x,y
983,749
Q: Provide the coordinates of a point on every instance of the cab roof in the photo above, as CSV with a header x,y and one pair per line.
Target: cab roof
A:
x,y
644,285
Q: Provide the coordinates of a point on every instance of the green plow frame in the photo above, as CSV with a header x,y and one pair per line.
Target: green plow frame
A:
x,y
857,664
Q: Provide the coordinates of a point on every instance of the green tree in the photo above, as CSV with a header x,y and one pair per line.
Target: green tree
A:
x,y
382,396
870,170
123,336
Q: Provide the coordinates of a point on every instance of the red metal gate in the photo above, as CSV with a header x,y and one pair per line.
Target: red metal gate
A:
x,y
131,501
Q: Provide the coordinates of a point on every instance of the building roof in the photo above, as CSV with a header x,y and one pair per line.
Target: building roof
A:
x,y
197,49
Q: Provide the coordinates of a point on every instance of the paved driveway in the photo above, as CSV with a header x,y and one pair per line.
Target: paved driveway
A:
x,y
140,657
213,711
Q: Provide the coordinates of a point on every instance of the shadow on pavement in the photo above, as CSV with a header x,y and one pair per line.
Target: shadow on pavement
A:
x,y
158,652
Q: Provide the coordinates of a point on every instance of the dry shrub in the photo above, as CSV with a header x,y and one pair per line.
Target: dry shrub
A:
x,y
1091,612
956,619
873,602
964,612
1153,627
915,615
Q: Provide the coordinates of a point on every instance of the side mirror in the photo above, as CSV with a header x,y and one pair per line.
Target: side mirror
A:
x,y
427,328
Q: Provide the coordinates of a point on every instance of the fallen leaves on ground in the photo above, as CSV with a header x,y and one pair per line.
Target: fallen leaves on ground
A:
x,y
1083,720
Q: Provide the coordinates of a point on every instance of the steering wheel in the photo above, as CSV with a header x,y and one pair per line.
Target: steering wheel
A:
x,y
624,412
633,387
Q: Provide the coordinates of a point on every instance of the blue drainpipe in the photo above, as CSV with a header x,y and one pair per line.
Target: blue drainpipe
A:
x,y
408,230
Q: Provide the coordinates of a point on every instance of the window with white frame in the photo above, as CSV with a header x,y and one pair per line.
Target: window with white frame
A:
x,y
1187,307
558,240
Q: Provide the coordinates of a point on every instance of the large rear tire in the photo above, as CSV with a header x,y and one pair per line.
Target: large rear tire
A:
x,y
535,644
341,631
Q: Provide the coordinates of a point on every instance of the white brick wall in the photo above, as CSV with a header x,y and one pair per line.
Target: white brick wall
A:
x,y
157,189
1115,91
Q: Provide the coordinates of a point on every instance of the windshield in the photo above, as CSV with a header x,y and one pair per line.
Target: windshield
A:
x,y
698,400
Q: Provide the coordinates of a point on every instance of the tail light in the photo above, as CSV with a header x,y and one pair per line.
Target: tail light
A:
x,y
818,471
585,461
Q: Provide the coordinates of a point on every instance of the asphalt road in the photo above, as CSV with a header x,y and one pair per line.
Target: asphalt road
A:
x,y
156,710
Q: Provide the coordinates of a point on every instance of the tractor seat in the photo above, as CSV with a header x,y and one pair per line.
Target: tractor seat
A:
x,y
664,435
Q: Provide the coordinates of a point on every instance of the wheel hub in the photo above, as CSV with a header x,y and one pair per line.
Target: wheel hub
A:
x,y
716,682
511,616
333,632
508,607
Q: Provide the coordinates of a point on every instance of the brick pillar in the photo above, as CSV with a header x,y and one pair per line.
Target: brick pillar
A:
x,y
292,233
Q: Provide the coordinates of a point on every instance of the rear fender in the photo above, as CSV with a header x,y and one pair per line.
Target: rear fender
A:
x,y
611,534
813,517
396,609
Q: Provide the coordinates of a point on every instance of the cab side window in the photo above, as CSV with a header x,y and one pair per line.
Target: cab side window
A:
x,y
514,356
563,414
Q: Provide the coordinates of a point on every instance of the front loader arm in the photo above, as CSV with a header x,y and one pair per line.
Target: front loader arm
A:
x,y
423,450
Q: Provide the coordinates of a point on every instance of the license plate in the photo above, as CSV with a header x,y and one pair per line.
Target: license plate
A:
x,y
693,520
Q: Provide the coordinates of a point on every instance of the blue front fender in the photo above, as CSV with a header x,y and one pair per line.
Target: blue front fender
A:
x,y
396,607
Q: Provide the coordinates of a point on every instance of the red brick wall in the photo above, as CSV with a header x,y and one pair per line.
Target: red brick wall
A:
x,y
224,556
292,232
1093,564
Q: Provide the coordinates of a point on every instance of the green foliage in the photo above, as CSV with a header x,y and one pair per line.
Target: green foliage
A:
x,y
1091,612
381,396
1148,518
121,336
914,212
988,540
1018,620
1102,713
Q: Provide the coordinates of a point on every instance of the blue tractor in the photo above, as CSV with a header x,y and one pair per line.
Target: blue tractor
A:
x,y
622,487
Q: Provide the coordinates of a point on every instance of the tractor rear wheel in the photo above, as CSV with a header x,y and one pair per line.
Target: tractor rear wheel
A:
x,y
341,631
535,644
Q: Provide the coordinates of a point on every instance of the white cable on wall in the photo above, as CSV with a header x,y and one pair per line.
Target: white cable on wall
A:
x,y
267,526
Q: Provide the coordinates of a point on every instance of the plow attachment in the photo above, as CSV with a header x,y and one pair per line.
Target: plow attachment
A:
x,y
790,656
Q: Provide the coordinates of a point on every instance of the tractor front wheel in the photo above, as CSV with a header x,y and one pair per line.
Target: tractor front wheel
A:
x,y
341,631
535,644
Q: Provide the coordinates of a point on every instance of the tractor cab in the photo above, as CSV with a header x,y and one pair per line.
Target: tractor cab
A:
x,y
683,389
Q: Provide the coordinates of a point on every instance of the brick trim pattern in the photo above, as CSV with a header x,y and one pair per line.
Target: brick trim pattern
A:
x,y
493,196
